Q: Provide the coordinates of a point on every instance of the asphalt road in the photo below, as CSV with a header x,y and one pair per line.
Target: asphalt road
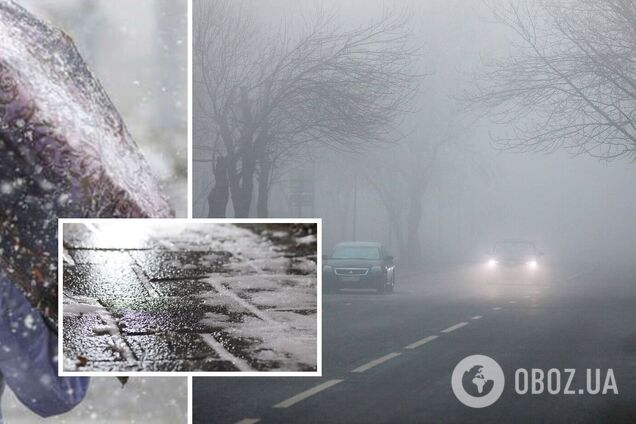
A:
x,y
389,358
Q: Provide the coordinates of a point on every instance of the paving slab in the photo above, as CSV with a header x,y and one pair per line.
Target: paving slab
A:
x,y
189,297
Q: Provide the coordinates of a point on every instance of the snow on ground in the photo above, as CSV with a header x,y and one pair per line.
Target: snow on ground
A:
x,y
260,281
253,297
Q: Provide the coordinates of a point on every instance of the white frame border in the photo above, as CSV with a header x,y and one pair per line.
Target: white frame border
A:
x,y
60,244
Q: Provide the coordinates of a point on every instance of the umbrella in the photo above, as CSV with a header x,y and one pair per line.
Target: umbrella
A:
x,y
64,152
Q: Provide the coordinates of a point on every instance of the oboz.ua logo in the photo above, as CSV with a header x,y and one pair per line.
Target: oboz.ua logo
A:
x,y
478,381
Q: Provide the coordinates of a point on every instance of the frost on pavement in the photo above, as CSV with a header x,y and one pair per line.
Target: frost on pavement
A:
x,y
190,297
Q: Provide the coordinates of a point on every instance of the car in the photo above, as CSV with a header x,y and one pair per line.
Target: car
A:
x,y
514,254
359,265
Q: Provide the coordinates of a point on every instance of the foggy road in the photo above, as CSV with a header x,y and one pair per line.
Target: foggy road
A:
x,y
389,358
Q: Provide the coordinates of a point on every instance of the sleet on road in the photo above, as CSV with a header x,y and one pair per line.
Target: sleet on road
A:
x,y
189,297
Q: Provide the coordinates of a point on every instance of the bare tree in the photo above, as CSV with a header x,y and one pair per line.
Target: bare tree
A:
x,y
402,175
570,81
262,96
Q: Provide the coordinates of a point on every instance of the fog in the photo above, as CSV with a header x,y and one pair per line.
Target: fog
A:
x,y
575,206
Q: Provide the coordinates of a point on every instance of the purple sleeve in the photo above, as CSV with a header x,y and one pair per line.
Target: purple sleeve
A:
x,y
28,357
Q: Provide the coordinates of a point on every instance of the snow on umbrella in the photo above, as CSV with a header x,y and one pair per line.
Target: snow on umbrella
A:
x,y
64,152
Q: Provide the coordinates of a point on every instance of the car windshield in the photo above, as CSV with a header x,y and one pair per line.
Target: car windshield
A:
x,y
356,252
514,248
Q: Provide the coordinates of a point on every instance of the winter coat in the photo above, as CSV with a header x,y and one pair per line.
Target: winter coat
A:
x,y
28,357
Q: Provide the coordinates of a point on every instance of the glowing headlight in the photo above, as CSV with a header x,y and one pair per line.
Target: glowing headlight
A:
x,y
492,263
327,269
532,264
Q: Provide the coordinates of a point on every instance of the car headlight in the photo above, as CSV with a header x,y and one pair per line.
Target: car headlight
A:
x,y
532,264
376,268
327,269
492,263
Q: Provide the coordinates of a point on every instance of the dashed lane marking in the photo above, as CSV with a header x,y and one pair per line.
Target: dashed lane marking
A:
x,y
248,421
476,317
306,394
496,308
376,362
513,301
420,342
224,354
454,327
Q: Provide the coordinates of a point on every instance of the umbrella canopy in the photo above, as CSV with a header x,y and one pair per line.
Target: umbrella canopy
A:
x,y
64,152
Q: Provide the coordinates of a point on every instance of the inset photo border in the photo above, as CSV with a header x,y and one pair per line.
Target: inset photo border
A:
x,y
196,297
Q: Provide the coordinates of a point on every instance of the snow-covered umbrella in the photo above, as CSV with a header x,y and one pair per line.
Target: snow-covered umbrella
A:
x,y
64,152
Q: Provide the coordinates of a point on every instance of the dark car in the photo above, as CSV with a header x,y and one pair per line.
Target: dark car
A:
x,y
359,265
516,254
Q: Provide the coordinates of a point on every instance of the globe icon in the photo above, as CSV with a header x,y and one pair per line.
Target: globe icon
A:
x,y
476,383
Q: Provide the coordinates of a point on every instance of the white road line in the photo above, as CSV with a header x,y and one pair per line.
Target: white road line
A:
x,y
513,301
476,317
496,308
420,342
307,393
223,291
454,327
67,258
526,297
248,421
376,362
144,280
224,354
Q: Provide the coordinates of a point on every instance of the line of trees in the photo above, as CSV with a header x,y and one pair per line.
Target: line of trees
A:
x,y
569,82
261,97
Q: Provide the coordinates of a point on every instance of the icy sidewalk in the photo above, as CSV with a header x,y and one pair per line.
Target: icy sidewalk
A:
x,y
189,297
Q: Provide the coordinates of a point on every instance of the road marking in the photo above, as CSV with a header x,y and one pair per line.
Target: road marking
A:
x,y
376,362
223,291
476,317
224,354
67,258
454,327
496,308
513,301
420,342
307,393
145,281
526,297
248,421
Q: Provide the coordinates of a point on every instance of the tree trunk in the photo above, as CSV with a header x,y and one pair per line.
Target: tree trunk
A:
x,y
220,194
242,199
413,219
262,203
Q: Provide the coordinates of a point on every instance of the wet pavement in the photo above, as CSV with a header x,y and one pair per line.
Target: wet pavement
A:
x,y
189,297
